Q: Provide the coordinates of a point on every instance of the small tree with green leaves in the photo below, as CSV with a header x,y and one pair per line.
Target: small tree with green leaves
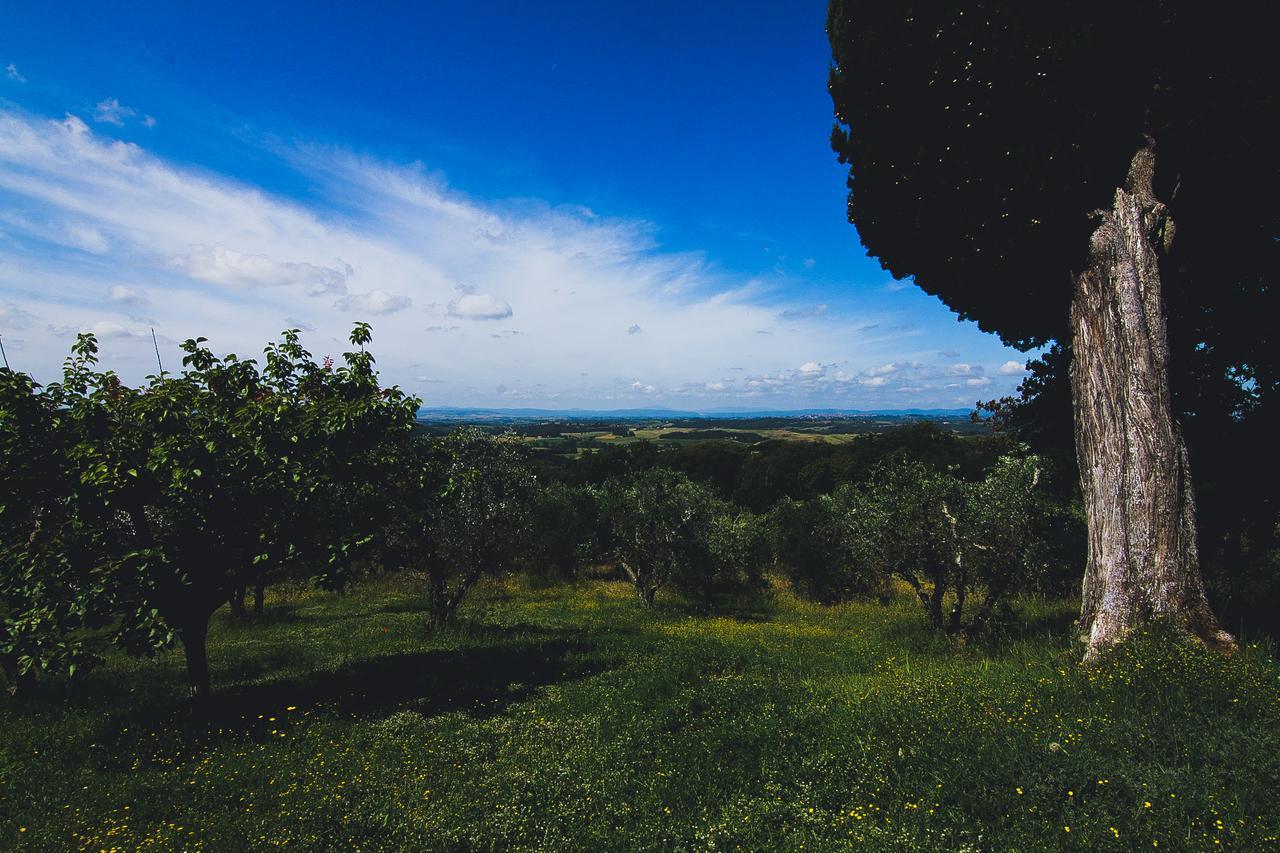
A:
x,y
1014,536
658,521
462,505
209,476
811,545
563,530
947,538
50,585
730,555
903,522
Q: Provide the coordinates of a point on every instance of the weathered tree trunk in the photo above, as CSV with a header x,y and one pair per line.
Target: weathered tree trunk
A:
x,y
194,634
259,594
438,613
236,601
1142,562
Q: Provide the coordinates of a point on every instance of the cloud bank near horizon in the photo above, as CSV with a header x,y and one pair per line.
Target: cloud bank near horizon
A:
x,y
474,302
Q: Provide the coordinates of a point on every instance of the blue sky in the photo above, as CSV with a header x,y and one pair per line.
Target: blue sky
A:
x,y
579,204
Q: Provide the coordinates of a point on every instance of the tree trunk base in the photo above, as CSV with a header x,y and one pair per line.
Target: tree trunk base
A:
x,y
1143,564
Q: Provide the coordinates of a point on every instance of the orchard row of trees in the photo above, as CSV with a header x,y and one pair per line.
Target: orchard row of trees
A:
x,y
130,515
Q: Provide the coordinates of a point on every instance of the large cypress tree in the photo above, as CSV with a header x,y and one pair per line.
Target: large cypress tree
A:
x,y
1027,163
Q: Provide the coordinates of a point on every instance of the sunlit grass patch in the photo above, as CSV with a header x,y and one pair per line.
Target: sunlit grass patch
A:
x,y
569,718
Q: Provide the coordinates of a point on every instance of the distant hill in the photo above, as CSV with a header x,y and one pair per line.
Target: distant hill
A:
x,y
457,413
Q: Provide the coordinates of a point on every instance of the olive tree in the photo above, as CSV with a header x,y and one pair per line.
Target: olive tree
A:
x,y
658,520
947,538
461,510
729,556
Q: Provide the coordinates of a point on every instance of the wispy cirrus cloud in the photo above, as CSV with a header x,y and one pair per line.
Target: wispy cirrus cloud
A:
x,y
94,228
111,111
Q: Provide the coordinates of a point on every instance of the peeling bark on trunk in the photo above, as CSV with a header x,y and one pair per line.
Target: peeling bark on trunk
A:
x,y
1142,563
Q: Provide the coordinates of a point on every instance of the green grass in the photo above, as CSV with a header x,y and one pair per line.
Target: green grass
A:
x,y
565,718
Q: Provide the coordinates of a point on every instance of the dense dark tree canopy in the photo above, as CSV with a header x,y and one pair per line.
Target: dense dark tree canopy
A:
x,y
981,135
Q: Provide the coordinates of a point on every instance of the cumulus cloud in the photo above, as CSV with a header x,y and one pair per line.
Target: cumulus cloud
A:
x,y
479,306
111,111
229,268
374,302
1012,368
810,368
978,381
11,71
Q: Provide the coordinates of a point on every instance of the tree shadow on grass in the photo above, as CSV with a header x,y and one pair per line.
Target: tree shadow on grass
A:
x,y
480,681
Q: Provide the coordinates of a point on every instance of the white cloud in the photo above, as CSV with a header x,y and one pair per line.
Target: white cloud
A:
x,y
1012,368
978,382
13,316
815,311
215,257
479,306
884,369
125,295
148,121
374,302
874,381
963,369
88,238
111,111
229,268
11,71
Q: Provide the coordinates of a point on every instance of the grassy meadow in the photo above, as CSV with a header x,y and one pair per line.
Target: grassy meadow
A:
x,y
566,718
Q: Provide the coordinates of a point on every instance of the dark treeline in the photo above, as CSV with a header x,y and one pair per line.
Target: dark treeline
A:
x,y
756,477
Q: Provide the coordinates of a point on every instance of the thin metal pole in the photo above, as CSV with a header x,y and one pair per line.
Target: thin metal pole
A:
x,y
157,346
3,353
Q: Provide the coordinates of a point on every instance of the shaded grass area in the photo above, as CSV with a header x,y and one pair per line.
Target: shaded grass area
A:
x,y
566,718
